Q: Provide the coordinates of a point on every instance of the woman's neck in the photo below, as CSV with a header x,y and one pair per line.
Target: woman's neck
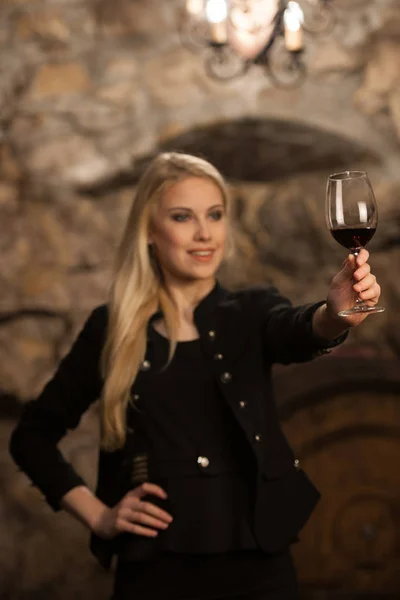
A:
x,y
186,297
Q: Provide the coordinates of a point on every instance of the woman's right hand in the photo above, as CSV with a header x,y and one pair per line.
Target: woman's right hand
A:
x,y
132,514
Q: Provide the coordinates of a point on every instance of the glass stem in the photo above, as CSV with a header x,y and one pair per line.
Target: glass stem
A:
x,y
359,302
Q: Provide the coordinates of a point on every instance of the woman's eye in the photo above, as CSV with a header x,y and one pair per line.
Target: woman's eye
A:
x,y
180,218
216,215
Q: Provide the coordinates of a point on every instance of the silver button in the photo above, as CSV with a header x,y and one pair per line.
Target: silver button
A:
x,y
242,404
258,437
136,397
203,461
211,334
145,366
297,463
226,377
218,356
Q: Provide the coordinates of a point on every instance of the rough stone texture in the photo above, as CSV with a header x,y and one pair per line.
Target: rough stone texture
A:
x,y
54,80
89,91
382,77
46,25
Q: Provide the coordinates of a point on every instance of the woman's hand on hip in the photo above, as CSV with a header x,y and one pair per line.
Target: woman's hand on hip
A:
x,y
135,515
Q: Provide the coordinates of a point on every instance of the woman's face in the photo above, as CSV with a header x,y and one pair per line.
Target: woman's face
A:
x,y
188,230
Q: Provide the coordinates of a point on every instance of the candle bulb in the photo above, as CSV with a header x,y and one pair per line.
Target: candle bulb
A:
x,y
294,39
293,20
217,16
219,32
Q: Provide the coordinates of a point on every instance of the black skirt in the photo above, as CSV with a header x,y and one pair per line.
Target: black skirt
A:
x,y
240,575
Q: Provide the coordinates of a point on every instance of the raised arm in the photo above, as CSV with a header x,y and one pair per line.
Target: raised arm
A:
x,y
302,333
289,333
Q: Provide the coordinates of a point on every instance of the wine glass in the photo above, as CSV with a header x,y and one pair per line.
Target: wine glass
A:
x,y
352,218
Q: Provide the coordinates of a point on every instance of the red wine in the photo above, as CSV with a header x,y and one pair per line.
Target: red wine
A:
x,y
353,238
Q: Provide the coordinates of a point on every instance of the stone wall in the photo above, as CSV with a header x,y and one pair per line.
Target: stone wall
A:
x,y
89,91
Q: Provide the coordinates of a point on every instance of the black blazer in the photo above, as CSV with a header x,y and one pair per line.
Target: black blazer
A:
x,y
242,334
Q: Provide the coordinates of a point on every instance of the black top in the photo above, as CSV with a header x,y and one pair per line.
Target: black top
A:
x,y
178,413
200,576
207,552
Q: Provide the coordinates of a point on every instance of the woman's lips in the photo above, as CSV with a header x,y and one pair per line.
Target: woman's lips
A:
x,y
202,255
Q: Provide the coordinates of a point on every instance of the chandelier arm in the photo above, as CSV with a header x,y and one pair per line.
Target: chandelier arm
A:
x,y
297,64
286,69
216,59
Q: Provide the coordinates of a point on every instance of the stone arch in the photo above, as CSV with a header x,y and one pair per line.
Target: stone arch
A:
x,y
255,150
262,150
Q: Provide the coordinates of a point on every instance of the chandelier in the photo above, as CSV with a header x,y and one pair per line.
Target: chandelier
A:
x,y
235,34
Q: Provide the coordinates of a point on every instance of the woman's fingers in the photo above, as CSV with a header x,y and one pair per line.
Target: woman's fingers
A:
x,y
139,520
124,525
145,513
133,508
145,519
133,515
149,488
367,282
371,293
133,503
362,272
362,257
154,511
366,287
134,500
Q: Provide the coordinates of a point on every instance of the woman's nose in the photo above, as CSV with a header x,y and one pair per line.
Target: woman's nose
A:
x,y
203,231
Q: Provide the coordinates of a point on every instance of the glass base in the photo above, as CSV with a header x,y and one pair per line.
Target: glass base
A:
x,y
361,308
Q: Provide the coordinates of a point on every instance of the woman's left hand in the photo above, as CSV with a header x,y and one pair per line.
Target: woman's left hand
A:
x,y
355,280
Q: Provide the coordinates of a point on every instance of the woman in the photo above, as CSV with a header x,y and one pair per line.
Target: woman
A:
x,y
199,495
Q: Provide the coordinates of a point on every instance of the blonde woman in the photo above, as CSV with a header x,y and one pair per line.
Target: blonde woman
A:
x,y
199,495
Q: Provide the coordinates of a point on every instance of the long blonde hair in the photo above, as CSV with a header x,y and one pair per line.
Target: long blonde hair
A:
x,y
137,291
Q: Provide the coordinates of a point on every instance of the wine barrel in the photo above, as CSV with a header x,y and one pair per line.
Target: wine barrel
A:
x,y
342,416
